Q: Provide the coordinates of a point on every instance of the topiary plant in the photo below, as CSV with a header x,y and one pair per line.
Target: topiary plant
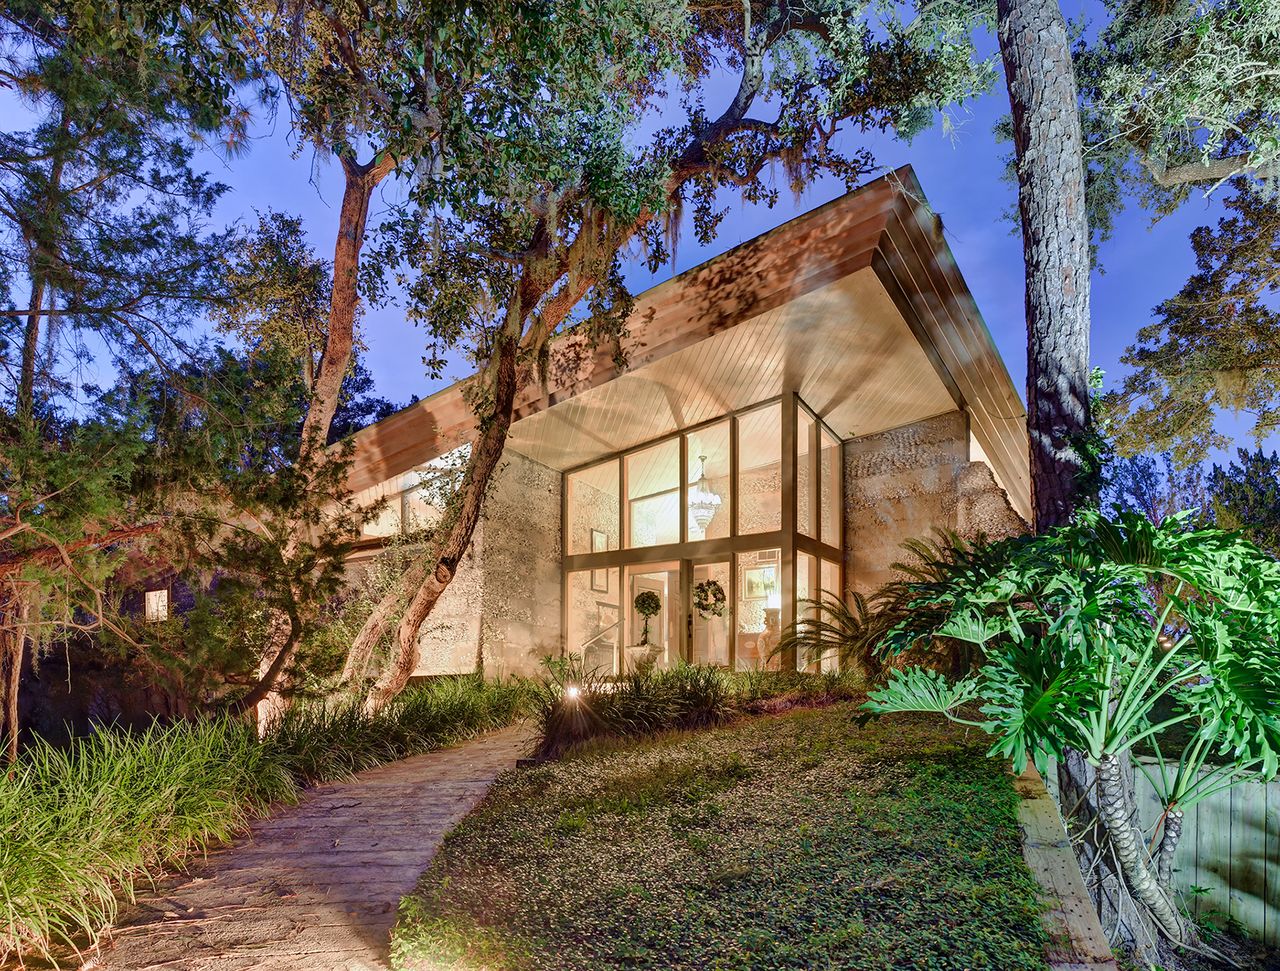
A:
x,y
647,605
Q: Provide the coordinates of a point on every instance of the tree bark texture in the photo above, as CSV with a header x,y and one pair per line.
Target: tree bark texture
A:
x,y
14,616
486,453
1169,840
284,642
30,348
38,267
379,623
326,383
1048,148
353,217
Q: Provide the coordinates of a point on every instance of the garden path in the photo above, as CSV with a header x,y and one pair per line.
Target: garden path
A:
x,y
315,886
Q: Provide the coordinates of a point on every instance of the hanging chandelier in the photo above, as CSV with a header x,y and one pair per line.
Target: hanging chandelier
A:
x,y
703,500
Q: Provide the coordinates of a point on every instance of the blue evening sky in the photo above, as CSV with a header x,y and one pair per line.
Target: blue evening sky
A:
x,y
961,172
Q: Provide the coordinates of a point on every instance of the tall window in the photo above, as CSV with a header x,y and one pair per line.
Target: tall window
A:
x,y
156,605
722,529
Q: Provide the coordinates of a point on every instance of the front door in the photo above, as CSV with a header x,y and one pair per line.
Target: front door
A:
x,y
653,637
710,626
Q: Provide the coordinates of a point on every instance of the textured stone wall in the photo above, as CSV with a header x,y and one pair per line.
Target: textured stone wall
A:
x,y
907,483
503,607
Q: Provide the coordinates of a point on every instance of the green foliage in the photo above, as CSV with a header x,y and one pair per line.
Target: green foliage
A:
x,y
920,689
332,740
1189,90
78,825
82,825
1245,496
1081,646
576,706
852,631
1214,347
278,293
796,841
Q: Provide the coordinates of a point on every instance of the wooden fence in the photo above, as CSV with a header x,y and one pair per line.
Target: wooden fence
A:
x,y
1230,847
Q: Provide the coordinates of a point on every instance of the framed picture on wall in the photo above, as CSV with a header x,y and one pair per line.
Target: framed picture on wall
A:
x,y
599,578
758,582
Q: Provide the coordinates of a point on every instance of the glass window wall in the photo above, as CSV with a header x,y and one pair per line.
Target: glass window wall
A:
x,y
595,621
832,472
705,506
592,525
806,514
653,495
760,470
707,451
759,609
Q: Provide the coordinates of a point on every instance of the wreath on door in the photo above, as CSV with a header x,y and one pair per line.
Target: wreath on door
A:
x,y
709,599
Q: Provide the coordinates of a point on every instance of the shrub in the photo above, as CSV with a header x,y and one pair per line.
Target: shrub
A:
x,y
1100,636
333,740
576,706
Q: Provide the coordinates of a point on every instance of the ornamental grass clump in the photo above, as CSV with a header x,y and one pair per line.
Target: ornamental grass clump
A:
x,y
83,823
576,706
333,740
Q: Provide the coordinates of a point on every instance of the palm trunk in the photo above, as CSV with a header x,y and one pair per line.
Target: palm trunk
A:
x,y
1169,840
1036,49
1127,844
486,453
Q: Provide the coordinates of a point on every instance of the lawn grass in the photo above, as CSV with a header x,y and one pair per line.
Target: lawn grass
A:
x,y
791,841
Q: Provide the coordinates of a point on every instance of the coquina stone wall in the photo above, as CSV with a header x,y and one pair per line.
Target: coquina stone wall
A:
x,y
908,482
502,610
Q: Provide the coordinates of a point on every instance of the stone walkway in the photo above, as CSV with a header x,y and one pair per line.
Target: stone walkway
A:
x,y
316,886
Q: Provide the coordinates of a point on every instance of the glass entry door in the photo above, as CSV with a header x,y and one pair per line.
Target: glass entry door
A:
x,y
710,627
654,616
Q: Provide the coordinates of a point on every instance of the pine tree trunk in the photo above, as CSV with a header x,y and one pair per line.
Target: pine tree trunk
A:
x,y
14,616
486,453
25,404
38,260
1036,49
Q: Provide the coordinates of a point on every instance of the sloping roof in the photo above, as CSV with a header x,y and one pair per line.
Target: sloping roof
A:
x,y
878,248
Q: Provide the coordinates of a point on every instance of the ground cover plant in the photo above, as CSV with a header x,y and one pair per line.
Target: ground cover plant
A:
x,y
1105,637
576,706
81,825
790,841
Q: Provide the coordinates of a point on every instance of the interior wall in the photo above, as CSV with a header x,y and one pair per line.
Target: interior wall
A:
x,y
908,482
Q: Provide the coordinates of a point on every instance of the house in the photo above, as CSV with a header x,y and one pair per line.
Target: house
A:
x,y
789,414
